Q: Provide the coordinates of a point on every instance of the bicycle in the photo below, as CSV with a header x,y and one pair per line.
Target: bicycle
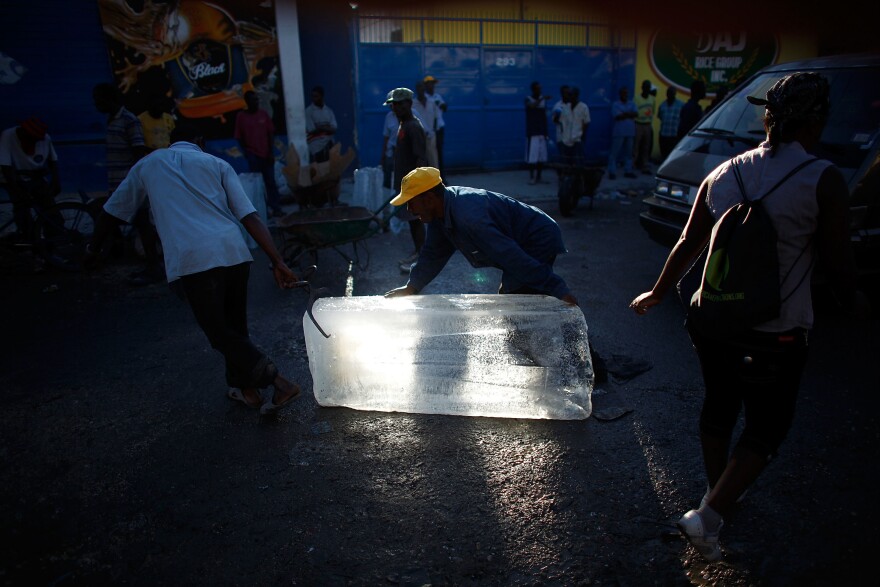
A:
x,y
59,233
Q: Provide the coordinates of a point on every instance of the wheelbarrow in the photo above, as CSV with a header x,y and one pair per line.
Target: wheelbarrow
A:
x,y
575,182
307,231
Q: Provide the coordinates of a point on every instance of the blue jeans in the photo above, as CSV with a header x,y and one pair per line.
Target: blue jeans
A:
x,y
266,168
621,146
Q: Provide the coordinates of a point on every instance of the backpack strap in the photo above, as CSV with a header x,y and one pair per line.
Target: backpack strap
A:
x,y
790,269
788,176
739,181
742,189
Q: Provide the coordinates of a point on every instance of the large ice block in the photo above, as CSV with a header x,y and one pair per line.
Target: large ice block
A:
x,y
514,356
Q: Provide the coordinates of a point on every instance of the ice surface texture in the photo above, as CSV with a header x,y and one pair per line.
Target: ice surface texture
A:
x,y
511,356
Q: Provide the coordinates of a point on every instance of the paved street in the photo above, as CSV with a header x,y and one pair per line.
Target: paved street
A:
x,y
124,463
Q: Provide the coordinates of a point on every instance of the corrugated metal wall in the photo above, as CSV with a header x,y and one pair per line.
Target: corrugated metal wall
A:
x,y
484,69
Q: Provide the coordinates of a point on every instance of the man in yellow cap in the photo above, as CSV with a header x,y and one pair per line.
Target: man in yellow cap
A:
x,y
490,230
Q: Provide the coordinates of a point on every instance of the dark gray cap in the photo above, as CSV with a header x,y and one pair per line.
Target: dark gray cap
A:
x,y
399,95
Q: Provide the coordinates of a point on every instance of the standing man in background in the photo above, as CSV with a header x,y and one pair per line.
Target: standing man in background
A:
x,y
692,112
536,132
256,134
623,114
669,114
125,147
430,82
644,139
556,113
428,113
409,153
320,127
389,142
574,120
157,124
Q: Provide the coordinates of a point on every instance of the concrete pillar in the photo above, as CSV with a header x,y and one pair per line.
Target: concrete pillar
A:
x,y
290,59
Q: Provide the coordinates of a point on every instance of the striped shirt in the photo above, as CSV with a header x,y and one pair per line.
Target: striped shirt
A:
x,y
124,135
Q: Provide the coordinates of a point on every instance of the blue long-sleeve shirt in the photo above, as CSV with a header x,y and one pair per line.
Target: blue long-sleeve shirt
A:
x,y
493,230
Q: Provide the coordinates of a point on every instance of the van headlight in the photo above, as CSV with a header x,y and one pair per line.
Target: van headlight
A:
x,y
671,190
679,192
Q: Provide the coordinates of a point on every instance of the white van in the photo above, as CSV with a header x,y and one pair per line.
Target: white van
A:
x,y
851,140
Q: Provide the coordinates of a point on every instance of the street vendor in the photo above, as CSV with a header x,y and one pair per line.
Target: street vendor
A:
x,y
490,230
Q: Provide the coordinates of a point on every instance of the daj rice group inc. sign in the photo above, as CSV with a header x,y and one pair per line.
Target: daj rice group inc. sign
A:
x,y
717,58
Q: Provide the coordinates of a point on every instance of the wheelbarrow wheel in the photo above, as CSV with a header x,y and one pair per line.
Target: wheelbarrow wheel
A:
x,y
567,193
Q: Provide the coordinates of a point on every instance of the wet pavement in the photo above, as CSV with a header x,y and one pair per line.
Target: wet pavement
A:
x,y
124,463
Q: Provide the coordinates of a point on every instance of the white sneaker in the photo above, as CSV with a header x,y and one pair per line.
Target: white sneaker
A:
x,y
410,260
691,525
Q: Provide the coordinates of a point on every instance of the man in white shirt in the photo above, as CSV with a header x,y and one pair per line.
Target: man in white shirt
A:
x,y
556,111
429,114
574,120
430,82
198,202
320,127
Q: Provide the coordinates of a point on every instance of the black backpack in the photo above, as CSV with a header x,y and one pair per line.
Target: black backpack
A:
x,y
740,287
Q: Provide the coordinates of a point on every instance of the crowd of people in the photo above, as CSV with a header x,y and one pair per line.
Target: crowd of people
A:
x,y
632,127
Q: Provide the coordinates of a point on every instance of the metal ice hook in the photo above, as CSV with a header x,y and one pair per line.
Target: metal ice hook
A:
x,y
314,294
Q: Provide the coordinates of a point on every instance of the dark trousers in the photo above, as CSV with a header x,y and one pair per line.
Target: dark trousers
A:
x,y
266,168
758,373
218,298
387,170
644,143
23,196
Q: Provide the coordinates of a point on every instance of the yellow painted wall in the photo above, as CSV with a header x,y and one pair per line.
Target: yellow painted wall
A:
x,y
500,33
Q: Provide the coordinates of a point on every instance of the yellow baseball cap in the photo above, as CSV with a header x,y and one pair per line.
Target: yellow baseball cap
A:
x,y
429,78
416,182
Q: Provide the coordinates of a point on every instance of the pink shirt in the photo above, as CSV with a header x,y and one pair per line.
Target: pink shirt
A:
x,y
255,131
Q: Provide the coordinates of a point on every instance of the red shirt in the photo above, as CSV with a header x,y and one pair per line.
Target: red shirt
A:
x,y
255,131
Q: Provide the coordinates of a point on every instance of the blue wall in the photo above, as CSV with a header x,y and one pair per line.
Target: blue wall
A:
x,y
485,88
327,60
61,44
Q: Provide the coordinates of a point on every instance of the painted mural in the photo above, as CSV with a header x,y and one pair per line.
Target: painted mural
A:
x,y
196,58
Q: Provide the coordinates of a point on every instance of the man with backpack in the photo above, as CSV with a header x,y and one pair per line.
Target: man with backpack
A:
x,y
753,354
